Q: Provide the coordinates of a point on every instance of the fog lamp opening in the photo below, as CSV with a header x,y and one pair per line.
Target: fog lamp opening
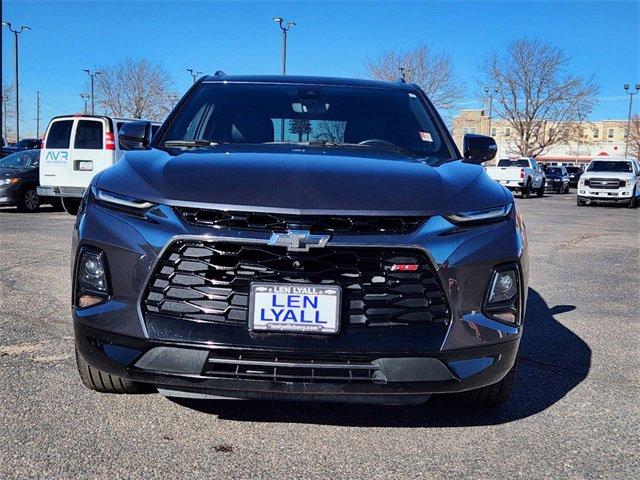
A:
x,y
503,296
91,277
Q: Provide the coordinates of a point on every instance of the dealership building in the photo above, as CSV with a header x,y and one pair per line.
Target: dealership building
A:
x,y
599,138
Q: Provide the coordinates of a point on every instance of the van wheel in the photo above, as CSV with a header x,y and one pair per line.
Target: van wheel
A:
x,y
28,201
56,203
526,191
103,382
71,205
489,396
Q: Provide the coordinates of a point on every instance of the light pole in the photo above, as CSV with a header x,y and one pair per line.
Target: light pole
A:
x,y
631,94
15,33
93,76
285,26
194,75
486,91
85,97
404,71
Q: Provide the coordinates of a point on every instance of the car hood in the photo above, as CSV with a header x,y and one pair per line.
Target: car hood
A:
x,y
299,178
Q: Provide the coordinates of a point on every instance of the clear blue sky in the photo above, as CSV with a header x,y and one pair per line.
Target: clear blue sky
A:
x,y
332,38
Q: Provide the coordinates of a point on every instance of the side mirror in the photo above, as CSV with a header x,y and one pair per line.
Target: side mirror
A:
x,y
135,135
478,148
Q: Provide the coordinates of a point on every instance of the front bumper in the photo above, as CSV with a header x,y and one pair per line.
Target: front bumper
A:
x,y
469,351
180,369
606,195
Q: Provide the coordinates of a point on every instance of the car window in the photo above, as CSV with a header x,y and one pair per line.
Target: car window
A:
x,y
609,166
154,130
22,160
554,171
505,162
59,134
89,135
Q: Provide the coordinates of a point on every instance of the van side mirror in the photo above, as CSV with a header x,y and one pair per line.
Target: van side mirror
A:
x,y
135,135
478,148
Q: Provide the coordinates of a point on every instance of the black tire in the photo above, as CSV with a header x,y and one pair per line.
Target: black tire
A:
x,y
526,191
28,200
580,202
56,203
489,396
633,203
71,205
103,382
567,189
540,191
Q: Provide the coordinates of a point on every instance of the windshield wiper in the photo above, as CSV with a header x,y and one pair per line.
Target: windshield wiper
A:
x,y
191,143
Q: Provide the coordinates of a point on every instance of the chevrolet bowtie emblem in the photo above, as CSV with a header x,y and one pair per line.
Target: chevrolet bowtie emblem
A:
x,y
298,240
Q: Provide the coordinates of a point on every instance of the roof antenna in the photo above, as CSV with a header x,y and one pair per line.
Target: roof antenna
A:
x,y
219,73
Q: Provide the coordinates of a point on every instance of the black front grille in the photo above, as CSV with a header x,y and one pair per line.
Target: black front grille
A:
x,y
607,183
276,222
210,281
250,365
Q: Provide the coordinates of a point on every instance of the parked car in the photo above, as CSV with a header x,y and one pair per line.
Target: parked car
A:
x,y
77,147
19,174
24,144
371,263
521,175
557,179
574,175
614,180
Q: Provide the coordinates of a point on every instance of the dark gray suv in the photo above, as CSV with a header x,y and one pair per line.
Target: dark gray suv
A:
x,y
300,238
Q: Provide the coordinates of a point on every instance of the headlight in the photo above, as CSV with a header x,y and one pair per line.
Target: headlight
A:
x,y
9,181
503,296
91,277
120,202
486,215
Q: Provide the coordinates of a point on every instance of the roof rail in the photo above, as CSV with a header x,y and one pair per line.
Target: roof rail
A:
x,y
219,73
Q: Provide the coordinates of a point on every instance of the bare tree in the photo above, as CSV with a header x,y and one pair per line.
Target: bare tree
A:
x,y
135,88
431,71
8,108
330,131
634,136
541,101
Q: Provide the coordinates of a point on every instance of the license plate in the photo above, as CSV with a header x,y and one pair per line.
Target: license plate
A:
x,y
294,308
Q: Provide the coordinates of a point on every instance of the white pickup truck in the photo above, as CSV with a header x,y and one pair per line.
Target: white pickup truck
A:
x,y
522,175
610,180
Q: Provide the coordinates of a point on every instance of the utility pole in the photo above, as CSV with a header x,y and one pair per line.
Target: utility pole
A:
x,y
38,114
194,74
93,76
285,26
628,136
15,33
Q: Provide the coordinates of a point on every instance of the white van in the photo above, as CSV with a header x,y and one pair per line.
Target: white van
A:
x,y
74,149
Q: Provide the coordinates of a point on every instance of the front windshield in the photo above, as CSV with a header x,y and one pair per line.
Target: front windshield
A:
x,y
21,160
554,171
259,113
609,166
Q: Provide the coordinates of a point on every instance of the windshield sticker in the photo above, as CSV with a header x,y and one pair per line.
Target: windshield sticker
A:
x,y
426,137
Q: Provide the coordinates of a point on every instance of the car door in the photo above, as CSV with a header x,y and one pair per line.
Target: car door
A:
x,y
536,176
89,153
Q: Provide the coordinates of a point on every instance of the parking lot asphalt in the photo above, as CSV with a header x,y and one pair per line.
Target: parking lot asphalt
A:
x,y
575,411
